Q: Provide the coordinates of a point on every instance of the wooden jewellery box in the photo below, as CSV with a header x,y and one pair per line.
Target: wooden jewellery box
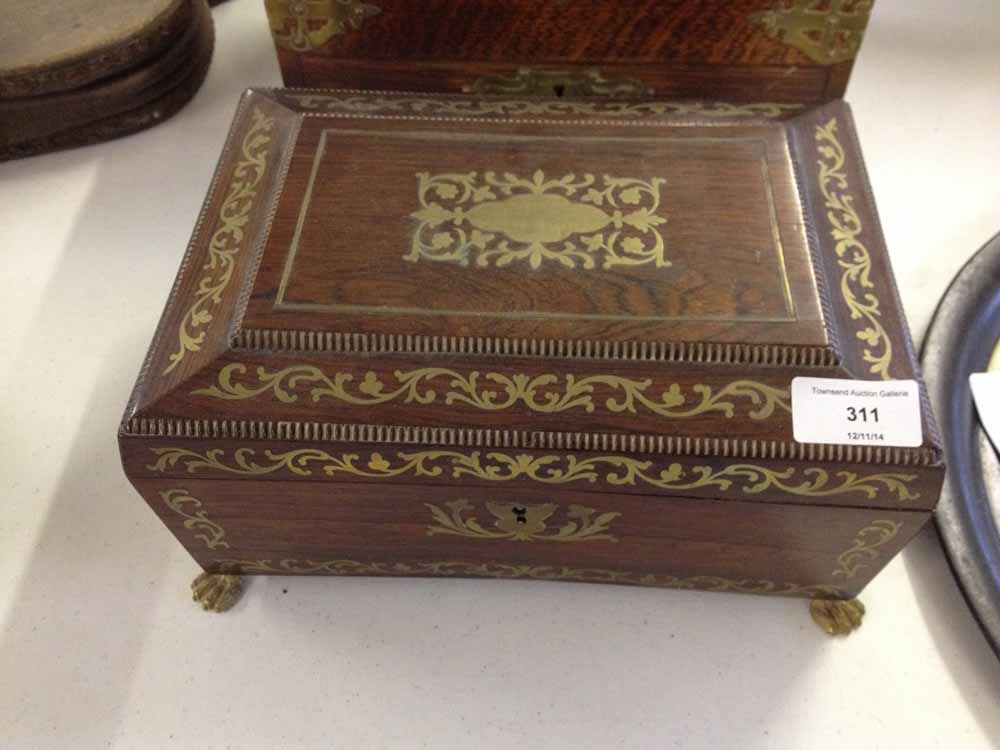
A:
x,y
467,336
736,50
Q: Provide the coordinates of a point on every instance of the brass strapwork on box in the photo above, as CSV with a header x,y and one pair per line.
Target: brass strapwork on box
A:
x,y
529,81
827,31
302,25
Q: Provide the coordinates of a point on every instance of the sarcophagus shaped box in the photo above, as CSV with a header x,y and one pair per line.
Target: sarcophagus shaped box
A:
x,y
467,336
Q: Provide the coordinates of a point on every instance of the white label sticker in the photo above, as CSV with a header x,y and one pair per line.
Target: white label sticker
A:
x,y
986,392
856,412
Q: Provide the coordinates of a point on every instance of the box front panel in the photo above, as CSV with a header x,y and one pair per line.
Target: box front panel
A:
x,y
355,529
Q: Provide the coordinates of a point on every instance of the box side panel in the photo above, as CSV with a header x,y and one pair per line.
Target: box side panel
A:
x,y
856,283
195,326
357,529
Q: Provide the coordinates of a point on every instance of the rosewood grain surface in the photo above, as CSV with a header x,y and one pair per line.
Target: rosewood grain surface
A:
x,y
312,440
739,269
670,48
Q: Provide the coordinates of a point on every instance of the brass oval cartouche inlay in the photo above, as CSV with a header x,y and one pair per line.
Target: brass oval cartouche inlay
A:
x,y
574,221
537,219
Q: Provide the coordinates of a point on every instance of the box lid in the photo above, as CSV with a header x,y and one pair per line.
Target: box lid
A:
x,y
646,277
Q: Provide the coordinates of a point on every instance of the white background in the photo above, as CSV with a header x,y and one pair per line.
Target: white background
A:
x,y
100,646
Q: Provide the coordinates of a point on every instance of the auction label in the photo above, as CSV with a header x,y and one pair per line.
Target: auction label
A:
x,y
857,412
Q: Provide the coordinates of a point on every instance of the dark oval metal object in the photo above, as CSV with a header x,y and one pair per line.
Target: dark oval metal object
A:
x,y
964,333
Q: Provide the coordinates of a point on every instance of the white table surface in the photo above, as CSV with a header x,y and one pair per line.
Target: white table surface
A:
x,y
102,648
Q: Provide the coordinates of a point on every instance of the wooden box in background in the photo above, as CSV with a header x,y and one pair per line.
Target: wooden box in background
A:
x,y
735,50
469,336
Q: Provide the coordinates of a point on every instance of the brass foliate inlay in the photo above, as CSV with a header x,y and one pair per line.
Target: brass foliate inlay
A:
x,y
362,105
549,469
855,260
560,82
521,522
195,518
227,240
827,31
573,221
303,25
865,550
496,391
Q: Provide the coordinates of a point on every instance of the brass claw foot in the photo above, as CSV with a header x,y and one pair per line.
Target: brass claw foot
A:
x,y
836,616
216,592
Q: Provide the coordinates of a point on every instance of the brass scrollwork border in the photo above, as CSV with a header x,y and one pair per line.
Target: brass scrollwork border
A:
x,y
495,391
470,107
227,240
454,568
846,228
615,471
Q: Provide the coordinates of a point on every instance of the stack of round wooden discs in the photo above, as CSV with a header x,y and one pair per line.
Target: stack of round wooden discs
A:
x,y
79,72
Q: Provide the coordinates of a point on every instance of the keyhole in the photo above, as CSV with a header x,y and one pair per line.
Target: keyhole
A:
x,y
559,90
520,515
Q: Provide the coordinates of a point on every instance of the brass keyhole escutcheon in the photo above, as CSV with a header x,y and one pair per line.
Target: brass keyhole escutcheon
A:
x,y
520,515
